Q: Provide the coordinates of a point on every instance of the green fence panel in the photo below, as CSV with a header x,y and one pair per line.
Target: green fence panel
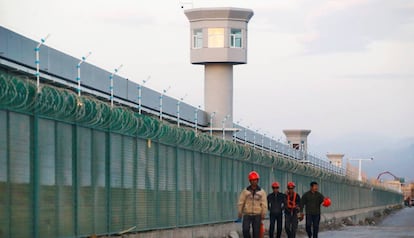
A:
x,y
73,166
128,174
64,180
47,188
141,178
99,154
186,177
226,197
212,190
4,174
85,195
21,207
116,185
151,188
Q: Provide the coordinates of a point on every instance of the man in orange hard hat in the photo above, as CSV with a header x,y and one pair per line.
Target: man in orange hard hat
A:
x,y
276,203
312,201
252,206
291,210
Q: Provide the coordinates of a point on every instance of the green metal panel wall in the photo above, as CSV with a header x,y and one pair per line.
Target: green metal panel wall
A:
x,y
72,167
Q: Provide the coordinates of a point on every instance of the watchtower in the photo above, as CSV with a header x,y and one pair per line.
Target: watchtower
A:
x,y
297,139
219,41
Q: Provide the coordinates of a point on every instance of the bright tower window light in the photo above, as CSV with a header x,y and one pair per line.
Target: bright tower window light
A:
x,y
215,37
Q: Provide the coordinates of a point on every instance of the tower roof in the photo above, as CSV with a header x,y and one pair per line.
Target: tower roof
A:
x,y
219,13
297,132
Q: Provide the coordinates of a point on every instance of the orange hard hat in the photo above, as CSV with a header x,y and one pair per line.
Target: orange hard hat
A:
x,y
275,185
291,185
253,175
326,202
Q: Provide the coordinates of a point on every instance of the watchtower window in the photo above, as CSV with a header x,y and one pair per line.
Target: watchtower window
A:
x,y
296,146
215,37
236,38
197,38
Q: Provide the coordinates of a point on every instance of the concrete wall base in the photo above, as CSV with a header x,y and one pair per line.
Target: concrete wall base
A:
x,y
223,229
356,215
204,231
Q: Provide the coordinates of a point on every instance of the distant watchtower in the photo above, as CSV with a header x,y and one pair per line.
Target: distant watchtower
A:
x,y
297,139
336,159
219,41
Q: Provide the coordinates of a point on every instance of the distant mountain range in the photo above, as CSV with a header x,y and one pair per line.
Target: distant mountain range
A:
x,y
399,161
393,155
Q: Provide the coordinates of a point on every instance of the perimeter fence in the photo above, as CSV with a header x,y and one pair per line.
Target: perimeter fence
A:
x,y
74,166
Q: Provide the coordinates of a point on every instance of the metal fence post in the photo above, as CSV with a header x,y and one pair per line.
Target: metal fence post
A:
x,y
75,179
8,179
177,197
35,173
108,181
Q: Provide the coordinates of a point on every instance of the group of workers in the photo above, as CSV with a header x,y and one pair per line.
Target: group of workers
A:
x,y
254,204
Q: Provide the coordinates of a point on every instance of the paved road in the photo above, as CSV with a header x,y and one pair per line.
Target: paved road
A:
x,y
397,225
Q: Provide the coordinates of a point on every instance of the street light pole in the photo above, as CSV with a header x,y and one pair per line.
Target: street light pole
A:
x,y
238,124
178,109
263,136
111,88
360,166
37,62
140,93
212,115
223,125
254,138
196,119
277,146
79,73
161,97
270,144
245,134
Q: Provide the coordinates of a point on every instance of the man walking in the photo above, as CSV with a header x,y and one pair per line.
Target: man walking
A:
x,y
276,202
291,210
312,201
252,206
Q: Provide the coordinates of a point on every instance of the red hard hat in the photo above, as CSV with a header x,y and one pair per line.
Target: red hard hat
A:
x,y
291,185
253,175
326,202
275,185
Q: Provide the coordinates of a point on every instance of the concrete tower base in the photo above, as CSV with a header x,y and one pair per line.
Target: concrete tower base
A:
x,y
218,94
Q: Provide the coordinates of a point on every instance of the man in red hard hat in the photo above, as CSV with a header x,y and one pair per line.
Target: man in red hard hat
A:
x,y
291,210
312,201
252,206
276,203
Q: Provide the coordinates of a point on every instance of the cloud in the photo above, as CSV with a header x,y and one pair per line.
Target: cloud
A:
x,y
125,18
378,76
353,26
339,26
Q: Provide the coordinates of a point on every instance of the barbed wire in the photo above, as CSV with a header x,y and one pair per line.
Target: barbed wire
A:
x,y
19,93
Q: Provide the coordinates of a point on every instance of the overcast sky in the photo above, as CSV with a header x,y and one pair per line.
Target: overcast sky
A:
x,y
342,68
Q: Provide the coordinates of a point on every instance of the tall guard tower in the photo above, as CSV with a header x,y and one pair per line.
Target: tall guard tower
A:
x,y
219,41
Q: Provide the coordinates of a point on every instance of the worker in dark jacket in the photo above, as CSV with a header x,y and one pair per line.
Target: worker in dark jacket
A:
x,y
276,203
291,210
311,202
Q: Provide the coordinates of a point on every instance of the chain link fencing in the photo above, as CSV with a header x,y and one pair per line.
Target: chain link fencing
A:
x,y
74,166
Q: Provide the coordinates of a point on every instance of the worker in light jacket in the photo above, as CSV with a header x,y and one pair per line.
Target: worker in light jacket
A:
x,y
252,206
